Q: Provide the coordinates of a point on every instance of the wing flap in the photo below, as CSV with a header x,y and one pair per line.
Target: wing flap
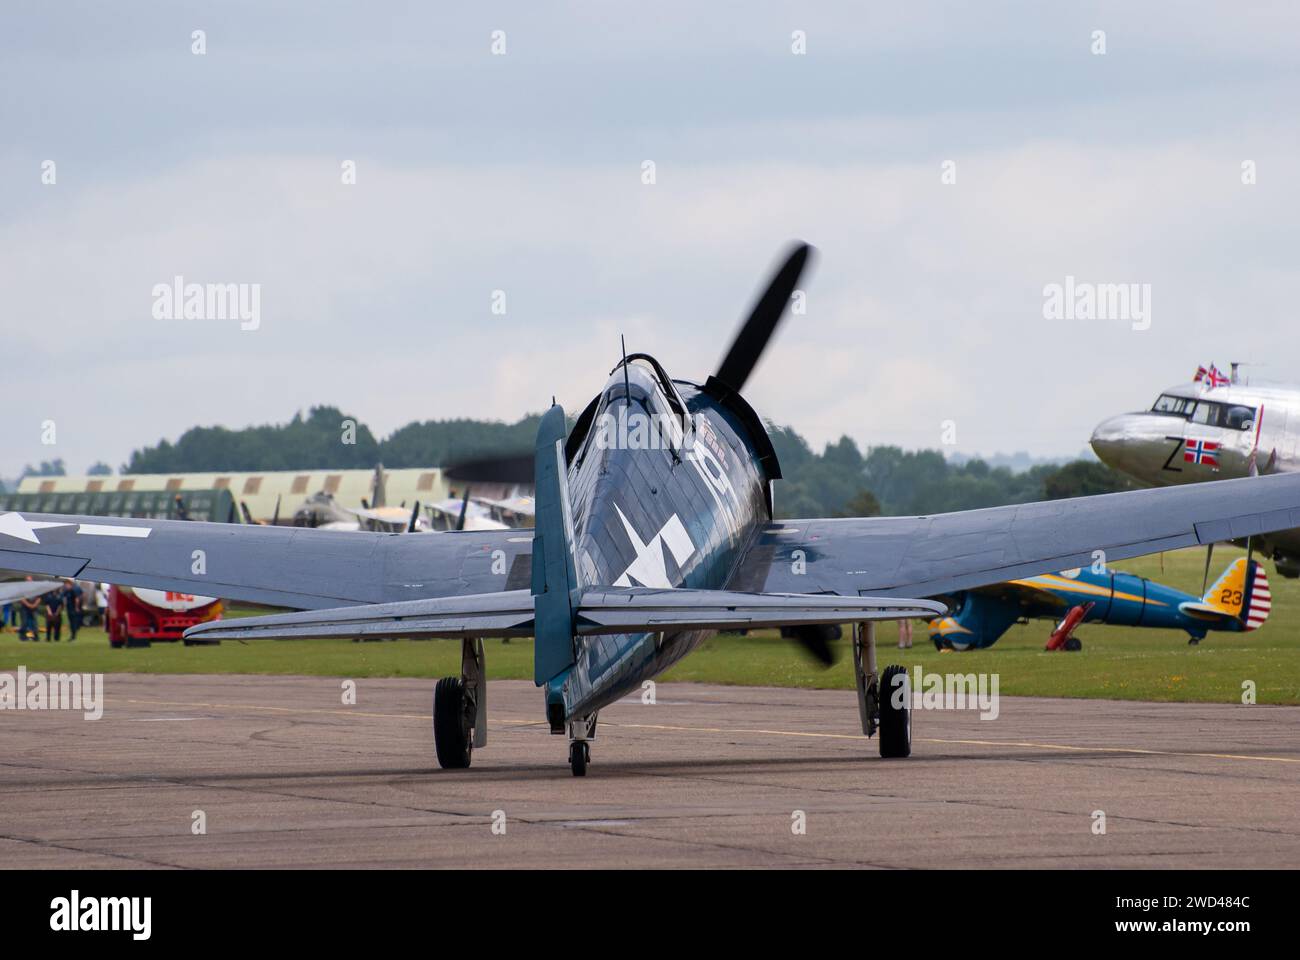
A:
x,y
602,610
43,563
626,610
506,614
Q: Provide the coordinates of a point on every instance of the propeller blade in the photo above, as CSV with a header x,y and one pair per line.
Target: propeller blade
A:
x,y
275,517
464,508
415,518
815,639
501,468
762,320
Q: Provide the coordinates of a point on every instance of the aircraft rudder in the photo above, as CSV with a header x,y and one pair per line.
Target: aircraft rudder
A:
x,y
554,570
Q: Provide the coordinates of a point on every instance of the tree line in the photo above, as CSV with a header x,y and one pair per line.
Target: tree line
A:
x,y
841,480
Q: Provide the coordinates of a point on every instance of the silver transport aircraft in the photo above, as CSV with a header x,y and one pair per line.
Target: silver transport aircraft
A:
x,y
640,551
1212,428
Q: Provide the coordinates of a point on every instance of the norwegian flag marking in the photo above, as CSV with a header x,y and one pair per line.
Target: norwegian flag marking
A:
x,y
1201,451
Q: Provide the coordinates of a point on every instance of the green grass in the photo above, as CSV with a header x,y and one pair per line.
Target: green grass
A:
x,y
1123,663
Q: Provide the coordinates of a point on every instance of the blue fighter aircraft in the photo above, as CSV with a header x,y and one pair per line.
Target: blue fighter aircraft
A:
x,y
654,528
1240,600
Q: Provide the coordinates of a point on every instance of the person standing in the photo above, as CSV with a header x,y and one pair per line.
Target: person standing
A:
x,y
54,616
27,608
73,597
904,634
101,604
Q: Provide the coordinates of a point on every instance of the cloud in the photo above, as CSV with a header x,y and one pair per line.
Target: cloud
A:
x,y
926,304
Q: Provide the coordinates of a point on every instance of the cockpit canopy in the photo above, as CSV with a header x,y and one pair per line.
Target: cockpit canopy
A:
x,y
651,412
646,383
1211,413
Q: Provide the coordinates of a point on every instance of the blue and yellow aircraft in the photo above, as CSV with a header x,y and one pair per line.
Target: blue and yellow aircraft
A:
x,y
1239,600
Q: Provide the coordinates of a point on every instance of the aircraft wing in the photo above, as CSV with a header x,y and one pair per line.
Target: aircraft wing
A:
x,y
881,556
931,556
17,590
281,566
1023,593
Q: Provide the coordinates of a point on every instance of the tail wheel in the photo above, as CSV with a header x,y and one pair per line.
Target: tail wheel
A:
x,y
895,713
451,733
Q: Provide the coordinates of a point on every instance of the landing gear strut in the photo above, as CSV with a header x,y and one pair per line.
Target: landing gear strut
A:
x,y
1063,637
884,702
460,709
581,732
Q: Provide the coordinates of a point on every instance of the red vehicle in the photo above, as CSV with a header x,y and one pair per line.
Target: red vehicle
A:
x,y
136,617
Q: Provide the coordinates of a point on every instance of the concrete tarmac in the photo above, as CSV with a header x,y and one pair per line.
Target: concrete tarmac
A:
x,y
281,773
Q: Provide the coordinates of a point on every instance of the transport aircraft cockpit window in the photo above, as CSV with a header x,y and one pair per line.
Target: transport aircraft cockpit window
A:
x,y
1239,418
1178,406
1231,416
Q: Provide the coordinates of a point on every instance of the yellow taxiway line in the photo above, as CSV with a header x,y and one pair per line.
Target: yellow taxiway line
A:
x,y
1023,744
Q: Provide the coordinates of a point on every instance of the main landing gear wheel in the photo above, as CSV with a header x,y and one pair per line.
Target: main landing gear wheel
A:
x,y
895,713
1073,644
579,757
451,725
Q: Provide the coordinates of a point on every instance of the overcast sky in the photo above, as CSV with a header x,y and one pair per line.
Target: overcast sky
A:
x,y
523,172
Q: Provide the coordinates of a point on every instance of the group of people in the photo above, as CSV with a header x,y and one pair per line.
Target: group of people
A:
x,y
23,615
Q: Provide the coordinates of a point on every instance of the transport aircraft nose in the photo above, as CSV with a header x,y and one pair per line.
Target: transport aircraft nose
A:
x,y
1108,438
1134,443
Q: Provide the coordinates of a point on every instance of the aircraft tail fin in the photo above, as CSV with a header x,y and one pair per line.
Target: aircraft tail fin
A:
x,y
555,585
1242,591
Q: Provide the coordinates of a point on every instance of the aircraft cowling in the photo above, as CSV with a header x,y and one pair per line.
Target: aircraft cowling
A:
x,y
974,624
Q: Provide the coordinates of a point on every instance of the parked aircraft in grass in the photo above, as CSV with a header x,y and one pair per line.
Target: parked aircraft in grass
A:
x,y
1240,600
639,552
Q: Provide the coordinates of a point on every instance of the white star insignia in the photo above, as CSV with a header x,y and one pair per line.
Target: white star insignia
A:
x,y
650,568
17,526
